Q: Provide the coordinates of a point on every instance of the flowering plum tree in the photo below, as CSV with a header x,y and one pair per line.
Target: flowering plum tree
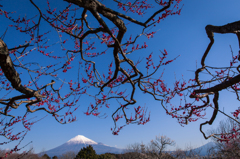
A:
x,y
209,81
42,69
228,149
226,79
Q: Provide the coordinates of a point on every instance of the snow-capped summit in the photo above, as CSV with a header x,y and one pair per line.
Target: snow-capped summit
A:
x,y
80,139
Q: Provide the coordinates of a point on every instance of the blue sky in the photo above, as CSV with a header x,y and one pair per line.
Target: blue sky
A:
x,y
180,35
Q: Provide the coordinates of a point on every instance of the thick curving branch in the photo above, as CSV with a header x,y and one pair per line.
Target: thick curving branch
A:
x,y
10,72
210,30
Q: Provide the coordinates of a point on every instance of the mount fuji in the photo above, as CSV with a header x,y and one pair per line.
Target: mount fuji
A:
x,y
75,144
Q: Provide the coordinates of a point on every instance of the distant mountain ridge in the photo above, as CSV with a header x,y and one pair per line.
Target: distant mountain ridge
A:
x,y
201,151
204,150
75,144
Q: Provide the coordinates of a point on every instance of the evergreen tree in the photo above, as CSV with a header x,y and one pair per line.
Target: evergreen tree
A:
x,y
45,156
87,153
106,156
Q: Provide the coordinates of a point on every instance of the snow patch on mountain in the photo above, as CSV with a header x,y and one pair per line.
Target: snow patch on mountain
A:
x,y
80,139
